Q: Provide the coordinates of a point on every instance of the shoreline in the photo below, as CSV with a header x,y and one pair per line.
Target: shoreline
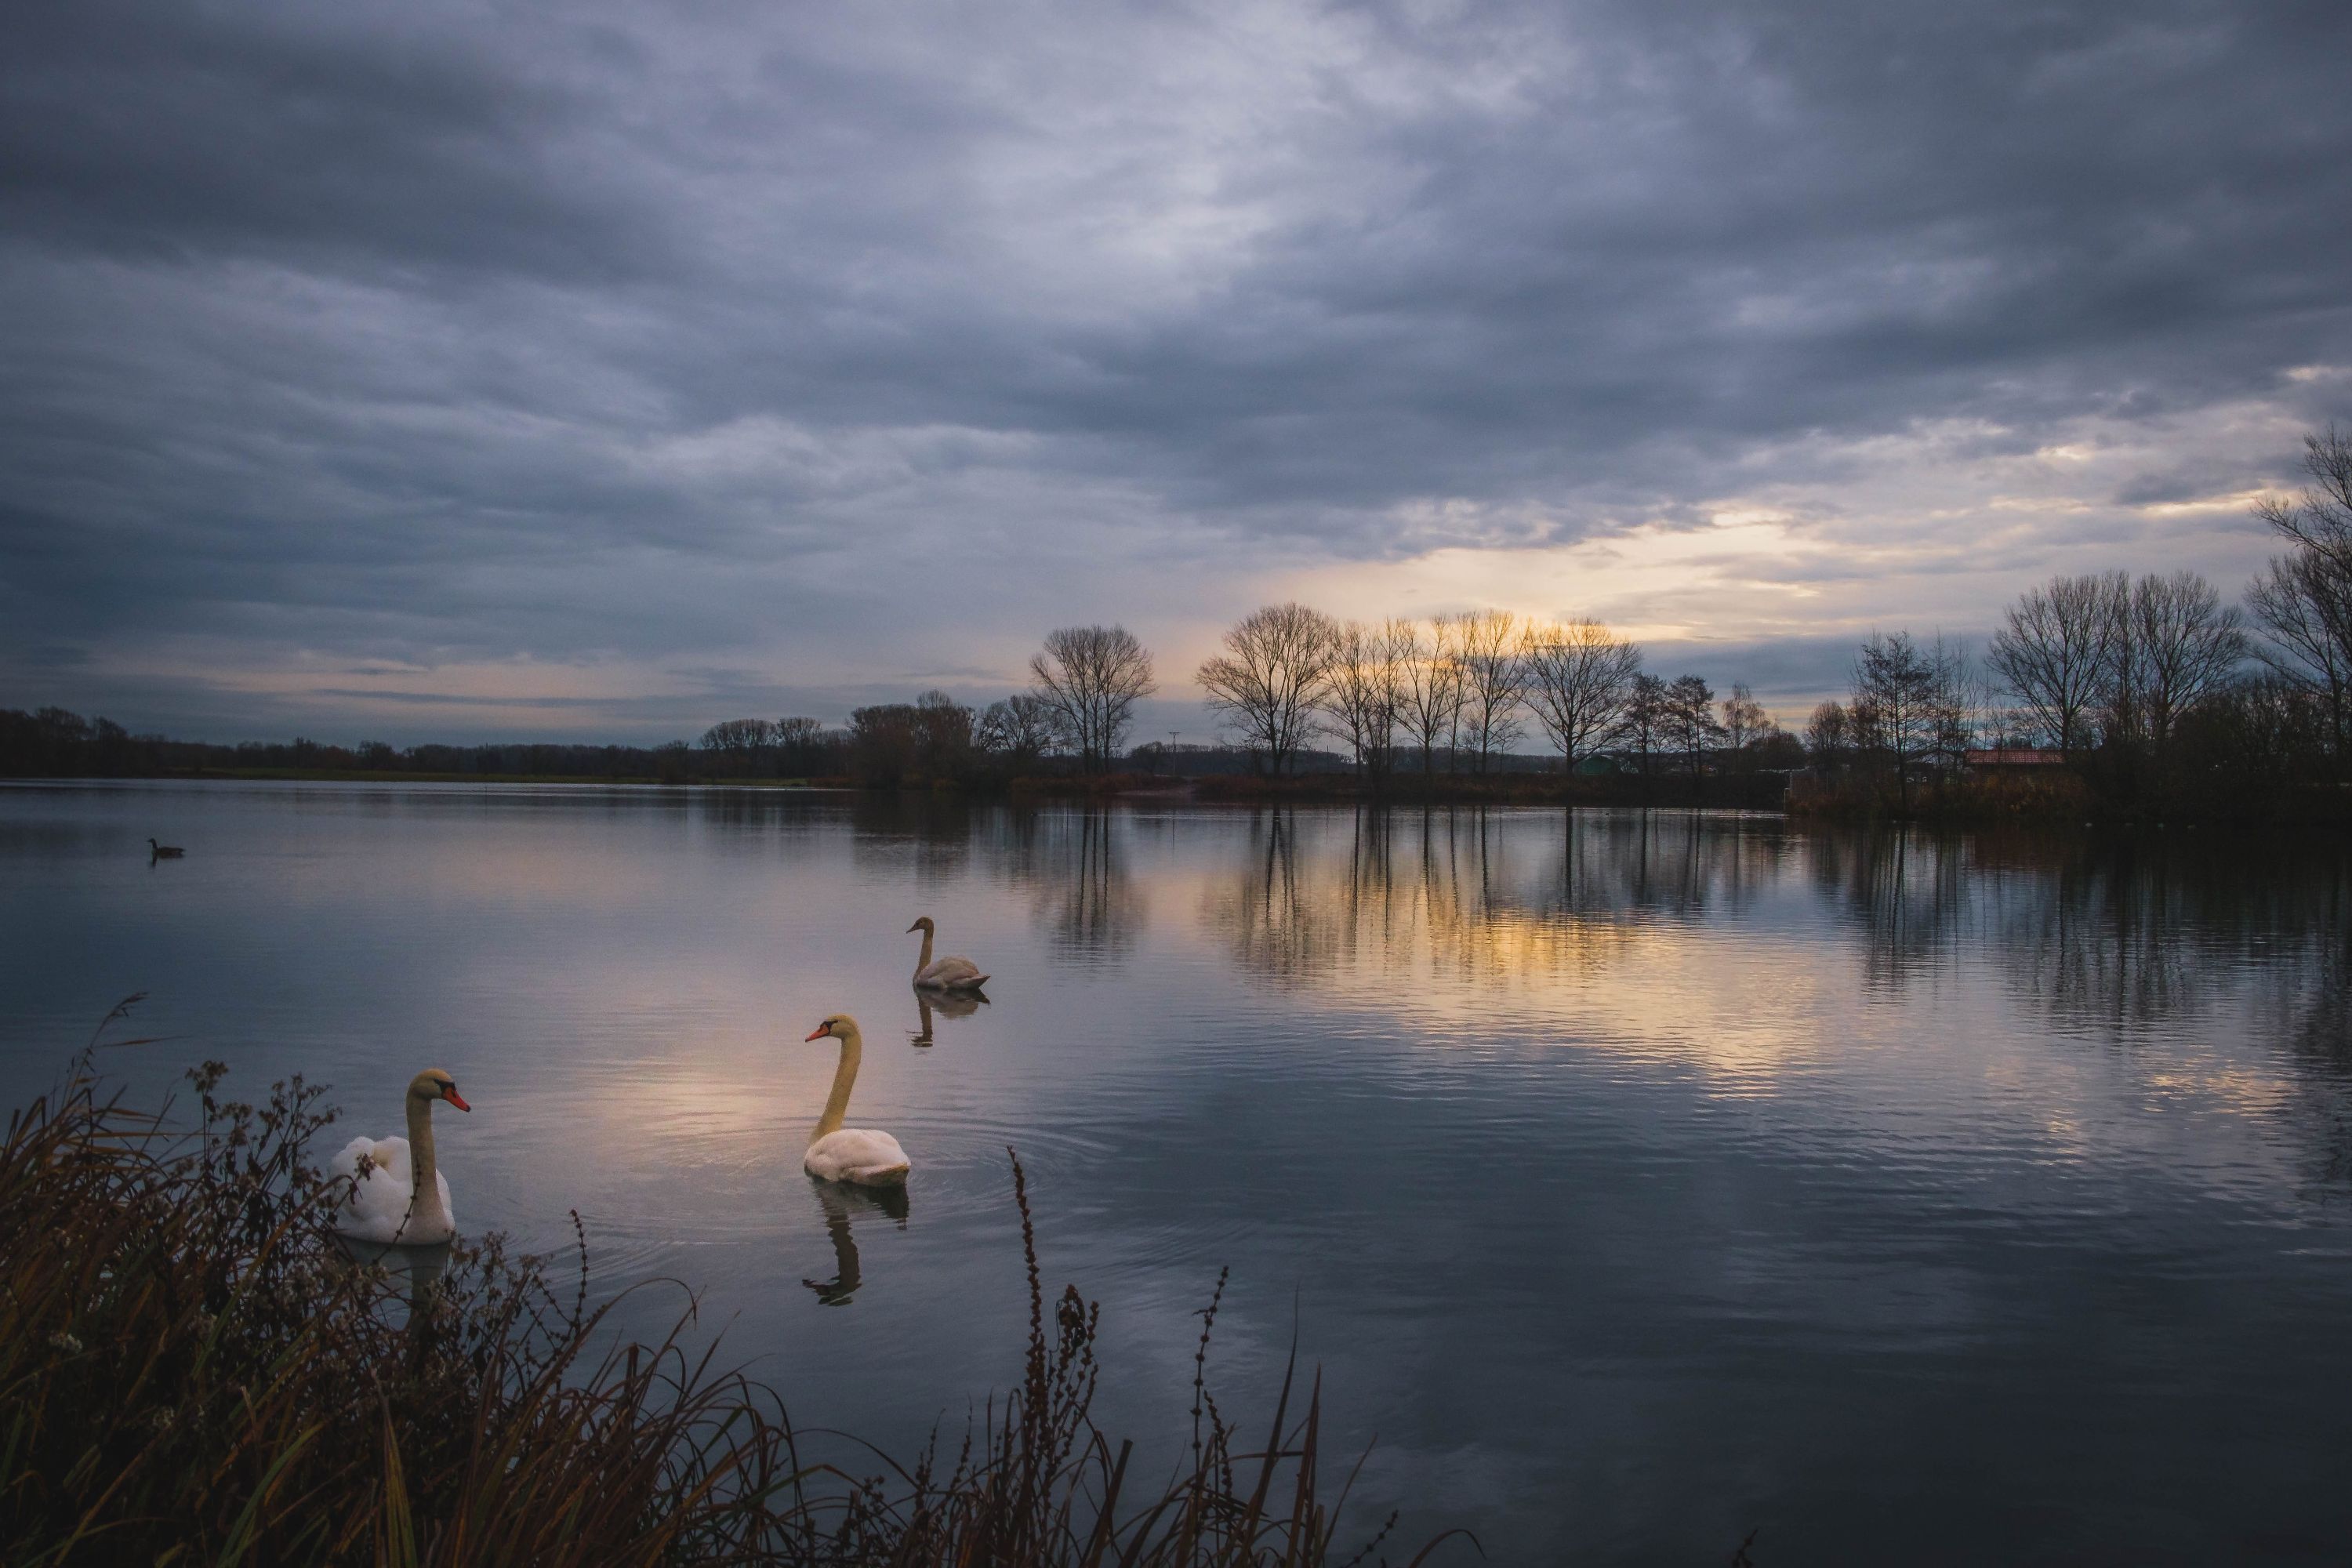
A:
x,y
1965,809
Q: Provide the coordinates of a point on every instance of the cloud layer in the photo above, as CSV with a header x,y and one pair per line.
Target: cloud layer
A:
x,y
601,371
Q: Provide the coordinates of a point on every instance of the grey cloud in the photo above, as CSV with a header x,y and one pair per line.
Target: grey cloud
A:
x,y
439,334
337,137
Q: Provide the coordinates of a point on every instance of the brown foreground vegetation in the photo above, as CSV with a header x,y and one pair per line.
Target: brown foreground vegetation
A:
x,y
195,1370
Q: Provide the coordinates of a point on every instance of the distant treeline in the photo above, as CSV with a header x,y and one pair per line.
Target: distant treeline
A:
x,y
53,742
2099,692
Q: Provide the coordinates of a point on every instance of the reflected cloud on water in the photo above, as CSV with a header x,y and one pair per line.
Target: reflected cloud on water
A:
x,y
1952,1161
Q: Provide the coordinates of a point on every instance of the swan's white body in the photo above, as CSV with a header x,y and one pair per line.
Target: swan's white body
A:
x,y
859,1155
945,973
379,1209
387,1204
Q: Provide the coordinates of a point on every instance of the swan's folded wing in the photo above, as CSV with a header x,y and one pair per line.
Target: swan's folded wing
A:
x,y
855,1153
380,1202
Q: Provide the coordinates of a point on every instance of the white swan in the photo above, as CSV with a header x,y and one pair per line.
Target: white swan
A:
x,y
400,1195
948,973
856,1154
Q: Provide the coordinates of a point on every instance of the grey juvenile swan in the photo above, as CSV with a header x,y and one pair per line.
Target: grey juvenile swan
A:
x,y
946,973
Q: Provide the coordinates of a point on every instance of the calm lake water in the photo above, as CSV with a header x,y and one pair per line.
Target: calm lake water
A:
x,y
1639,1179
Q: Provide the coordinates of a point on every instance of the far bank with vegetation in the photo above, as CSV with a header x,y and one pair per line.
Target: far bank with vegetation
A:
x,y
2100,695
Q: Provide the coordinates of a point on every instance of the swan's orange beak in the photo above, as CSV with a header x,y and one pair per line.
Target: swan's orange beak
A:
x,y
816,1034
454,1098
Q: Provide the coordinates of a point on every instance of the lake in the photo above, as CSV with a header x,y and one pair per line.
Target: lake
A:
x,y
1638,1179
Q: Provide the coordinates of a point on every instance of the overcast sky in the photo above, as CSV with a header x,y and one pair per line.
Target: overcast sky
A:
x,y
601,371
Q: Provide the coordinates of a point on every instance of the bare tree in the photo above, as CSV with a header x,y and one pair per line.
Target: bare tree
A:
x,y
741,737
1829,736
2304,602
1690,725
1020,728
2305,607
1646,717
1364,695
1909,703
882,741
1960,698
798,741
2055,653
1494,680
1433,691
1579,675
943,733
1270,678
1091,678
2175,641
2320,518
1745,723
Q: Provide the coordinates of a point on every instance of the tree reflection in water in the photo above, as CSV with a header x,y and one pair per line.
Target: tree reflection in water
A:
x,y
1472,894
1073,863
1904,892
2107,937
2104,936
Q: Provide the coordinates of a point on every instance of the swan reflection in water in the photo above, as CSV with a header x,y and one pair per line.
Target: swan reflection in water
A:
x,y
411,1272
947,1005
839,1203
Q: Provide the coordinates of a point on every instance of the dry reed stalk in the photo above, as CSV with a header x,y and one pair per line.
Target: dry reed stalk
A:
x,y
193,1371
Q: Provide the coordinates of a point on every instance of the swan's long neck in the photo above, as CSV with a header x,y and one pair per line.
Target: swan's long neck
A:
x,y
426,1201
836,1104
925,960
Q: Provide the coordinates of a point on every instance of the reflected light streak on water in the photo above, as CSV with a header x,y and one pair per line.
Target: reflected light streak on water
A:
x,y
1641,1178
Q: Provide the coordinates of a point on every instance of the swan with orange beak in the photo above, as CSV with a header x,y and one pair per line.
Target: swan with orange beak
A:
x,y
858,1155
398,1193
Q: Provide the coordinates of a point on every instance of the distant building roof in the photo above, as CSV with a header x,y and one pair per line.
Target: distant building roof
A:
x,y
2012,757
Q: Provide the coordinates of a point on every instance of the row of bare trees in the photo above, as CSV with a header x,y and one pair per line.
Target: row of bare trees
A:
x,y
2099,664
1461,687
2104,663
1084,685
2102,659
1911,707
2151,685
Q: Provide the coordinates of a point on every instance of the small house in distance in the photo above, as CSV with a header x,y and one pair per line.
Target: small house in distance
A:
x,y
2010,759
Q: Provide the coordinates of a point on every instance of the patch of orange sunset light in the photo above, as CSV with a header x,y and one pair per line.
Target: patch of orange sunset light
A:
x,y
1751,571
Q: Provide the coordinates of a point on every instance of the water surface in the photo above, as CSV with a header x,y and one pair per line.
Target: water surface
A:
x,y
1639,1179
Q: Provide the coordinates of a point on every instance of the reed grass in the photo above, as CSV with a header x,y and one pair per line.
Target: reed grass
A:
x,y
193,1370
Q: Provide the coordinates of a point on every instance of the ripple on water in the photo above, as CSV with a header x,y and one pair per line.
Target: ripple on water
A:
x,y
1845,1181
